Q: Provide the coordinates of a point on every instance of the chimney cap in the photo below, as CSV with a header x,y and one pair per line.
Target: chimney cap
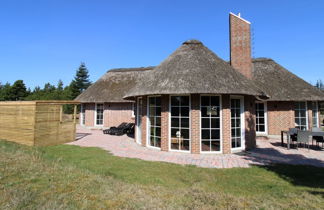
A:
x,y
239,16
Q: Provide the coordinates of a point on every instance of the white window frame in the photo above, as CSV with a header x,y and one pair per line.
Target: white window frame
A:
x,y
265,118
173,150
220,125
138,141
306,109
82,118
103,115
242,115
317,113
148,123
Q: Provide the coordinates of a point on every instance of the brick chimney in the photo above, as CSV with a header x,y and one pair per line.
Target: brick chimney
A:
x,y
240,45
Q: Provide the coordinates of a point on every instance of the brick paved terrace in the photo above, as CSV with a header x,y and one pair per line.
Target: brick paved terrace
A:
x,y
267,152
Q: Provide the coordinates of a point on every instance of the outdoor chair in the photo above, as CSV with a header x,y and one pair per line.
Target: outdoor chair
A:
x,y
318,139
303,137
129,127
112,129
293,134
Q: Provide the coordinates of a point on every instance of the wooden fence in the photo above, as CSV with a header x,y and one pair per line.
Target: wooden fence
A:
x,y
38,123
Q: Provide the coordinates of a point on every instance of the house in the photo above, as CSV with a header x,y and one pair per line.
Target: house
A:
x,y
196,102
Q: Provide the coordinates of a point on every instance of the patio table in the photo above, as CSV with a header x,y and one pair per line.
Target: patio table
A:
x,y
313,133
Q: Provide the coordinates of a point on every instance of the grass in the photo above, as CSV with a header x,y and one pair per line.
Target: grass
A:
x,y
72,177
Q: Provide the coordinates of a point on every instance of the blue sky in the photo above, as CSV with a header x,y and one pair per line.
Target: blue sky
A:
x,y
44,41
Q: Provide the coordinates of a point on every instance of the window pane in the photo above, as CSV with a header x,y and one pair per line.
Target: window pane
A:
x,y
215,123
215,146
205,123
205,134
158,101
184,100
158,121
185,145
158,142
185,111
204,112
157,131
175,111
215,134
205,145
175,100
214,101
205,101
152,111
174,132
152,141
185,122
174,122
152,101
261,128
185,133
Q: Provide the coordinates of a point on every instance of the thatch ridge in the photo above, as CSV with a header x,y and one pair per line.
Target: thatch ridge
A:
x,y
113,85
282,85
193,68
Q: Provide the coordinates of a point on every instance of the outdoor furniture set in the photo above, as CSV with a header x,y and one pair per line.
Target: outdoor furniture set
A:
x,y
123,128
302,136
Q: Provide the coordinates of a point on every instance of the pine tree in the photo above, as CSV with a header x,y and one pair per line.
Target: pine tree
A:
x,y
80,82
60,85
18,91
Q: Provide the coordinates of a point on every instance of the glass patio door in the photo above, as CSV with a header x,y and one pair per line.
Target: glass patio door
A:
x,y
237,122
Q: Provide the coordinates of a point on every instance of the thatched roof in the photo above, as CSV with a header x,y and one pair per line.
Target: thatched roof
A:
x,y
193,68
282,85
113,85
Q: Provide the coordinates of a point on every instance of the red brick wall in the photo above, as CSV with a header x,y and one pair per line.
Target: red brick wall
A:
x,y
195,123
281,116
117,113
249,115
240,46
165,123
226,123
89,114
114,114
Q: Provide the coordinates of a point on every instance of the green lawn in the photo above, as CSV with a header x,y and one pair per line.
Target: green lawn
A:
x,y
78,178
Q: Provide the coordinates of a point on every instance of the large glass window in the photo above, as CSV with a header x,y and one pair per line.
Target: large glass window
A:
x,y
236,125
99,114
300,115
260,117
315,114
180,123
154,121
210,123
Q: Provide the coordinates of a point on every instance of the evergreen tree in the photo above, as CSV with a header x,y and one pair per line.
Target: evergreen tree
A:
x,y
60,85
5,92
80,82
18,91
